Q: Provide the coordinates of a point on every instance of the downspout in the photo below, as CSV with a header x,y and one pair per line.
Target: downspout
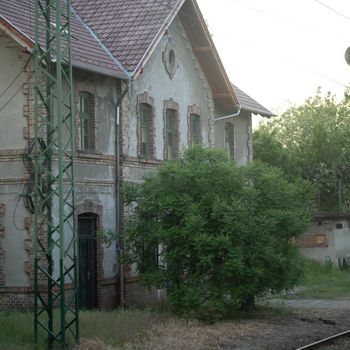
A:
x,y
230,115
119,244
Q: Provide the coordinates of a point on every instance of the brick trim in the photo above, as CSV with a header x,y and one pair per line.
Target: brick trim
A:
x,y
170,104
11,152
146,99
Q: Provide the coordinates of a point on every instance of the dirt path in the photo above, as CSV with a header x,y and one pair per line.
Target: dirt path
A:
x,y
292,331
310,303
311,320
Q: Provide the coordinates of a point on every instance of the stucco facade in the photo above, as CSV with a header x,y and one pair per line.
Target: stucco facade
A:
x,y
94,175
174,77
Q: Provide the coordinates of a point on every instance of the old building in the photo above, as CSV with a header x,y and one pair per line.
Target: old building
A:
x,y
147,78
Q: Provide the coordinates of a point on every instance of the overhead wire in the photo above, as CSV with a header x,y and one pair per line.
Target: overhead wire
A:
x,y
17,76
332,9
15,94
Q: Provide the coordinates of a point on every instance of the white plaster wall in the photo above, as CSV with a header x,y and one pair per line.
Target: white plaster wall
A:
x,y
15,235
242,134
11,136
338,241
189,86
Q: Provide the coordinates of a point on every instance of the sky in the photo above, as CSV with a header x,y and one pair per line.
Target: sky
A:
x,y
280,51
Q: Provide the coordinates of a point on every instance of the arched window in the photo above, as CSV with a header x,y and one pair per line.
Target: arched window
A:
x,y
195,130
87,121
146,131
230,140
172,137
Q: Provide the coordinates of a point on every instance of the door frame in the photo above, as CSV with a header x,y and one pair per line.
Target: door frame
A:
x,y
91,264
88,207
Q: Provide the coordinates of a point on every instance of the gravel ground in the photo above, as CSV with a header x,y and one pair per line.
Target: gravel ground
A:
x,y
312,320
290,327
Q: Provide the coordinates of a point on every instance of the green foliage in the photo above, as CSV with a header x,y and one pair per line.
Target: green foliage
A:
x,y
312,141
107,236
323,280
213,233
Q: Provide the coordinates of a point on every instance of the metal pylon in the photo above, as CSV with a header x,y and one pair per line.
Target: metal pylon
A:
x,y
55,287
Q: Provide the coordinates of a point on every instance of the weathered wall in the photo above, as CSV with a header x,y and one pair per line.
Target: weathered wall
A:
x,y
15,237
243,136
327,239
187,87
95,178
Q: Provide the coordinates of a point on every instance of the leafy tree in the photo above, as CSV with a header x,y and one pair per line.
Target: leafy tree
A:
x,y
312,141
213,233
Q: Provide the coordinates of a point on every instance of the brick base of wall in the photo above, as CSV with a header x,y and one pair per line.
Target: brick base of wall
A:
x,y
16,298
137,295
22,298
109,297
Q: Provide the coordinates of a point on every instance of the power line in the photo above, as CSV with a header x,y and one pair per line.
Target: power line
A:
x,y
15,94
271,14
332,9
315,72
16,77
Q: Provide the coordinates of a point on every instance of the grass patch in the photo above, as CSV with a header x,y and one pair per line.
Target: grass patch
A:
x,y
115,328
138,329
16,330
322,280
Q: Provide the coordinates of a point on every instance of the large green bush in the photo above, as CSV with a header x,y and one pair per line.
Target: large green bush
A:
x,y
213,233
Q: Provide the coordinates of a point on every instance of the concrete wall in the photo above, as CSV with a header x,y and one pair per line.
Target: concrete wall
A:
x,y
327,239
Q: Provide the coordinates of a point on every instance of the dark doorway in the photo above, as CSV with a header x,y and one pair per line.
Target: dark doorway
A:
x,y
87,261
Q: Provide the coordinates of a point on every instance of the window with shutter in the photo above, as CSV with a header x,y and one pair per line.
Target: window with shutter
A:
x,y
146,116
195,130
87,119
171,137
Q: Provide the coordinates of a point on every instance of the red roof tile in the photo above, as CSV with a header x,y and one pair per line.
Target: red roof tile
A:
x,y
126,27
87,51
249,104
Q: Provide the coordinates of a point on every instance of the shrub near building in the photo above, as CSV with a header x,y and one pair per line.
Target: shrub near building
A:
x,y
215,234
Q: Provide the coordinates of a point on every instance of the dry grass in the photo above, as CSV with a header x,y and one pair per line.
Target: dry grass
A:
x,y
179,334
137,330
175,334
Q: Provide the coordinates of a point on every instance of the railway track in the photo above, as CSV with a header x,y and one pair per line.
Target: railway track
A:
x,y
326,341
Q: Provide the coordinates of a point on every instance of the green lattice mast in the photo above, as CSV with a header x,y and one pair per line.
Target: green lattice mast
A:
x,y
54,147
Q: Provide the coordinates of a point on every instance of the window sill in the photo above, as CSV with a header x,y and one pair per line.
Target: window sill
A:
x,y
94,155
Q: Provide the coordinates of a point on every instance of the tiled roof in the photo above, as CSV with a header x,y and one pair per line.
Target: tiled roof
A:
x,y
87,51
114,37
249,104
126,27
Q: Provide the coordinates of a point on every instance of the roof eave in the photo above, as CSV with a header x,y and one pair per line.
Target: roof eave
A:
x,y
99,70
231,97
16,34
266,114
